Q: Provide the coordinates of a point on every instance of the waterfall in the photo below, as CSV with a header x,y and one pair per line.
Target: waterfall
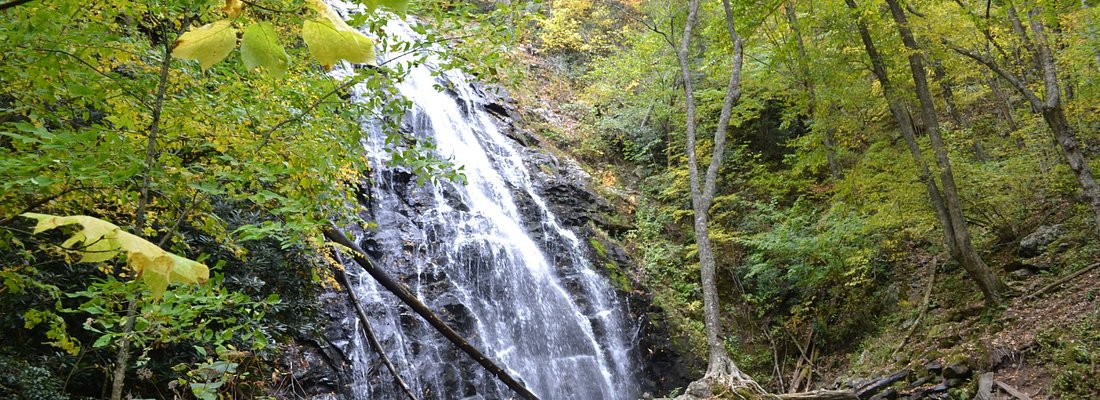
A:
x,y
489,256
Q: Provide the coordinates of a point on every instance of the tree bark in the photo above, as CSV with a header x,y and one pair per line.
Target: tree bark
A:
x,y
992,288
1055,117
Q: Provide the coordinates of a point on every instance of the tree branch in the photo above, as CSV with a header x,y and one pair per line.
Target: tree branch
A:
x,y
13,3
733,94
372,340
267,134
1008,76
391,285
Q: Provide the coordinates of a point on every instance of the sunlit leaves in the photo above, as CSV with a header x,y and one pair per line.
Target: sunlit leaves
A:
x,y
207,44
102,241
398,6
330,39
327,36
260,48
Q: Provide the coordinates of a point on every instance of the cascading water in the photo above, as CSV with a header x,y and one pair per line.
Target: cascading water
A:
x,y
491,258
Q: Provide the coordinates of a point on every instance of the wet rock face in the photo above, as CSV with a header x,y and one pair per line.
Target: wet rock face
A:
x,y
409,235
565,187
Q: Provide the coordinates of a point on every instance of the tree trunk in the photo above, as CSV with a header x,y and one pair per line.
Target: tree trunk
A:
x,y
1055,117
828,135
992,287
900,112
1005,105
721,369
1091,33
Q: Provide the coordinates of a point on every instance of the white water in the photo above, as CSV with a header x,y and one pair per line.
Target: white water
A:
x,y
534,305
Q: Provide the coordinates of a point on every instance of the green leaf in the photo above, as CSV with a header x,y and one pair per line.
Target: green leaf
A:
x,y
398,6
207,44
330,39
102,341
260,48
103,241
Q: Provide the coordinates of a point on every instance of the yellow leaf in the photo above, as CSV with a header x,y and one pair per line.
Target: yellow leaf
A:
x,y
233,8
207,44
154,271
103,241
330,39
398,6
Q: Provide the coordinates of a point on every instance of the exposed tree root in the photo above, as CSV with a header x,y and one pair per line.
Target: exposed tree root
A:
x,y
726,381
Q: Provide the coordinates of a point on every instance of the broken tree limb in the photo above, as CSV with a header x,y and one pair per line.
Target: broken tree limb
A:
x,y
372,340
820,395
923,307
1061,281
410,300
1012,391
870,389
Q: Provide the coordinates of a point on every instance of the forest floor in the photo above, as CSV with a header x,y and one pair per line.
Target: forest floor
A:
x,y
1045,347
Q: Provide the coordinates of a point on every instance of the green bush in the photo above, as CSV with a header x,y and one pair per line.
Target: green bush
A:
x,y
19,380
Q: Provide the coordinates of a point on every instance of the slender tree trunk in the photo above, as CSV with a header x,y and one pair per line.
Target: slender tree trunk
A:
x,y
1091,34
940,74
1005,105
992,287
122,358
899,110
828,134
1025,43
1055,117
720,367
953,109
1054,114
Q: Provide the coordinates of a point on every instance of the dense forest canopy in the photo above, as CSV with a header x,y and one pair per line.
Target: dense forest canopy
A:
x,y
810,190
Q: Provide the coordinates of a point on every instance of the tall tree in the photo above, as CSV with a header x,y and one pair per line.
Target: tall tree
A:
x,y
1050,106
720,367
949,212
991,287
899,109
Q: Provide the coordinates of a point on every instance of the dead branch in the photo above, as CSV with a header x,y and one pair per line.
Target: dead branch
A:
x,y
1060,282
923,306
391,285
1012,391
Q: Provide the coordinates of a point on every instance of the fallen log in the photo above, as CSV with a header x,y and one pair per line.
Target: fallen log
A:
x,y
368,332
423,311
868,390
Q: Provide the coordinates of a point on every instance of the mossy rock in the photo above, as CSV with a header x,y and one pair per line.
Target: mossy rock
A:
x,y
598,246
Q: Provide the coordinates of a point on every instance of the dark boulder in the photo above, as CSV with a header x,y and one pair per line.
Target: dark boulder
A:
x,y
1035,244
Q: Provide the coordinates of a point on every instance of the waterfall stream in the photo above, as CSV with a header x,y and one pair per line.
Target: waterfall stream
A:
x,y
489,256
